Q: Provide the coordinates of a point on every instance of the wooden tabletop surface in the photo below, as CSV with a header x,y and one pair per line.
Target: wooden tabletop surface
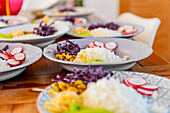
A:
x,y
16,95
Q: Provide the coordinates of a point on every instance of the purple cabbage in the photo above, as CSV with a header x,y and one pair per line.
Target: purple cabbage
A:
x,y
3,20
110,25
67,10
87,75
45,29
69,19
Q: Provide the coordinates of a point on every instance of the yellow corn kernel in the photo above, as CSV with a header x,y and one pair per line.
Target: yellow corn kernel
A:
x,y
81,86
57,56
71,60
63,54
60,57
68,56
72,89
55,87
74,56
65,60
77,82
80,91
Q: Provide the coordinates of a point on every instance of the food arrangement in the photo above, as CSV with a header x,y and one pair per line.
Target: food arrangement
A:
x,y
93,53
67,20
14,58
7,22
65,11
104,30
100,93
41,30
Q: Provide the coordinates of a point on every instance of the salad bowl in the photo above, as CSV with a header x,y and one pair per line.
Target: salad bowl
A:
x,y
139,28
14,20
133,49
38,41
32,53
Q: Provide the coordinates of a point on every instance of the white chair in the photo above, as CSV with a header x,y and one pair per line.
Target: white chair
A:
x,y
150,26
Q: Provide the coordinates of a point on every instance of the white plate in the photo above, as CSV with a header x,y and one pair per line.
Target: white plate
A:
x,y
134,49
32,55
139,28
162,98
21,18
80,11
41,41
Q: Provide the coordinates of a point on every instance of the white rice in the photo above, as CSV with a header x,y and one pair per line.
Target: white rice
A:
x,y
114,96
97,53
104,32
65,23
3,24
3,65
28,36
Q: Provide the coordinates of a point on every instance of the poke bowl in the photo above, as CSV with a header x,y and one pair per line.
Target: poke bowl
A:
x,y
77,12
95,91
8,21
15,57
67,20
36,34
116,53
105,29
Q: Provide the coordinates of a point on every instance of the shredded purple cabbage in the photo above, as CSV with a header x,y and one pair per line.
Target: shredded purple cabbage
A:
x,y
86,75
110,25
67,10
69,19
67,47
3,20
45,29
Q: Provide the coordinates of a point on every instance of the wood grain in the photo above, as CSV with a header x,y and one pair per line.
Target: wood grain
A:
x,y
150,9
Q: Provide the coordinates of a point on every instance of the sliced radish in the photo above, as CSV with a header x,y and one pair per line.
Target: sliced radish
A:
x,y
121,29
15,50
19,56
3,56
13,62
98,44
149,87
110,45
90,45
144,92
126,82
78,22
136,82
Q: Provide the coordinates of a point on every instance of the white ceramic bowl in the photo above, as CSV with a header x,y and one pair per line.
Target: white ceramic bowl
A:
x,y
139,28
32,55
40,41
134,49
80,11
21,18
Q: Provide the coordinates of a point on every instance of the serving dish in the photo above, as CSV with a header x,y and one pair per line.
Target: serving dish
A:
x,y
125,47
139,28
160,100
39,41
33,54
21,20
80,11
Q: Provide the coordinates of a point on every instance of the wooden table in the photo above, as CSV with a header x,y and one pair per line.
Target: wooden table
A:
x,y
16,95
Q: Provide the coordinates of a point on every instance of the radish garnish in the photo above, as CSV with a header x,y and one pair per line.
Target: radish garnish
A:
x,y
126,82
98,44
137,76
110,45
144,92
149,87
90,45
136,82
13,62
19,56
16,50
3,56
121,29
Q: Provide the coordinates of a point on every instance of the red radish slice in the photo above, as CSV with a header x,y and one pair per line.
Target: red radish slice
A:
x,y
149,87
13,62
19,56
110,45
136,81
78,22
16,50
90,45
144,92
3,56
126,82
137,76
121,29
98,44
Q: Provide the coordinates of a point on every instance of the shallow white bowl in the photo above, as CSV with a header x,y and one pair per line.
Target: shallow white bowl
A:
x,y
32,55
134,49
40,41
21,18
